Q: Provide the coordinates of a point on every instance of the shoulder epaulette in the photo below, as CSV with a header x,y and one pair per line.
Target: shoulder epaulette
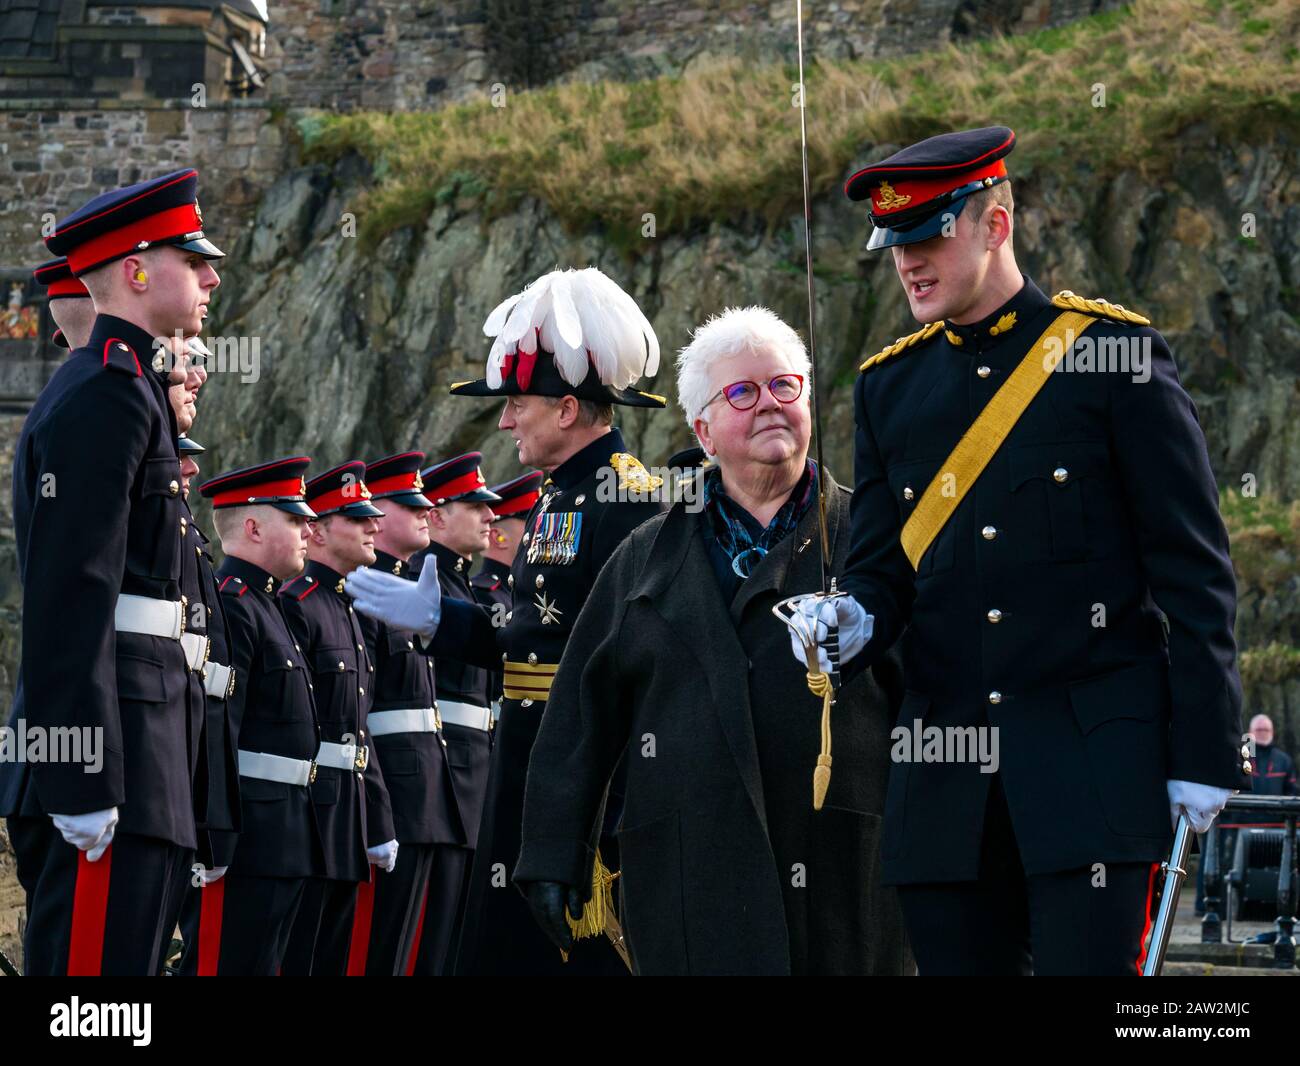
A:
x,y
118,355
1068,301
902,344
295,588
632,475
232,586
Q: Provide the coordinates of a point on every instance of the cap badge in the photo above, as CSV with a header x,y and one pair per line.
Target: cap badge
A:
x,y
419,482
365,492
198,211
302,486
889,200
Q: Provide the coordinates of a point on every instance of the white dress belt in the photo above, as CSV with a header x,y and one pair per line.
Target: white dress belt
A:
x,y
402,720
218,680
465,714
153,617
268,767
195,646
343,756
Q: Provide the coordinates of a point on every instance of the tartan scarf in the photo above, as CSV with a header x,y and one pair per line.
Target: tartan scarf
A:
x,y
733,526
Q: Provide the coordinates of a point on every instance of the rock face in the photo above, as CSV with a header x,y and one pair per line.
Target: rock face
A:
x,y
358,345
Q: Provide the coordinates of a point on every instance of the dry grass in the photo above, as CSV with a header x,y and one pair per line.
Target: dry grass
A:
x,y
723,144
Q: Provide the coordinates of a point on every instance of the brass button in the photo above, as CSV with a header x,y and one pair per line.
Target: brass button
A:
x,y
184,525
983,371
358,647
532,658
580,500
173,487
995,696
509,615
541,580
198,550
341,666
908,493
511,581
995,616
289,663
361,690
503,656
410,645
159,361
1060,475
1245,767
989,532
1245,751
525,537
525,703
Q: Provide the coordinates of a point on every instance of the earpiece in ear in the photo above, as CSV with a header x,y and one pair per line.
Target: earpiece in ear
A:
x,y
140,275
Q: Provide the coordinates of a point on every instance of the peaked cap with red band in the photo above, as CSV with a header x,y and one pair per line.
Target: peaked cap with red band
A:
x,y
114,224
279,483
342,490
59,281
397,478
60,284
517,496
457,480
916,191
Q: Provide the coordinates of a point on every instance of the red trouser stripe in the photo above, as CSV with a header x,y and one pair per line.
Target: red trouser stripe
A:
x,y
89,915
361,918
1146,918
210,912
419,932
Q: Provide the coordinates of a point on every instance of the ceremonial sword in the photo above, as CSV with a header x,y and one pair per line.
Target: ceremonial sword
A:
x,y
1175,872
820,683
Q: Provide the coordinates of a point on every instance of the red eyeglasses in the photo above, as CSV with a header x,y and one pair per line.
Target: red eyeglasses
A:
x,y
742,395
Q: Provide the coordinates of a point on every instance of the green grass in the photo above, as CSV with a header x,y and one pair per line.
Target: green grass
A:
x,y
1265,539
722,144
1269,665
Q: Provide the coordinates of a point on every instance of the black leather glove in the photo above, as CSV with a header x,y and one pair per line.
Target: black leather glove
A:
x,y
547,900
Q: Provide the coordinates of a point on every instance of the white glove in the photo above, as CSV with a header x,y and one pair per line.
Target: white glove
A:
x,y
91,833
384,855
403,604
854,632
208,876
1201,802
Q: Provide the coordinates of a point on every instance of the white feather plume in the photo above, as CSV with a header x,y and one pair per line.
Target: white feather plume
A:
x,y
574,314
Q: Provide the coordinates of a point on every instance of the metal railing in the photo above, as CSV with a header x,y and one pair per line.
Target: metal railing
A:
x,y
1283,809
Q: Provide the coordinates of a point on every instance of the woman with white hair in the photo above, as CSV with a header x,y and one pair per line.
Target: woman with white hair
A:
x,y
677,665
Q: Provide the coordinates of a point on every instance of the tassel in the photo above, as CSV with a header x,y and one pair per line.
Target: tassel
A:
x,y
597,910
820,685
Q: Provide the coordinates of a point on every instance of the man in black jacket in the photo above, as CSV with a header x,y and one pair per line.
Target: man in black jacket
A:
x,y
101,832
1030,564
239,923
558,409
352,807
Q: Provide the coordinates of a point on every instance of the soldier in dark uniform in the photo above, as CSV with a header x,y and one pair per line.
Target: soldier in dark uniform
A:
x,y
239,923
491,585
405,732
559,409
352,806
98,853
1030,565
459,526
207,653
70,305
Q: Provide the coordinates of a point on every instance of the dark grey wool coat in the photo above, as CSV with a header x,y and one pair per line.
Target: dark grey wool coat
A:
x,y
726,868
